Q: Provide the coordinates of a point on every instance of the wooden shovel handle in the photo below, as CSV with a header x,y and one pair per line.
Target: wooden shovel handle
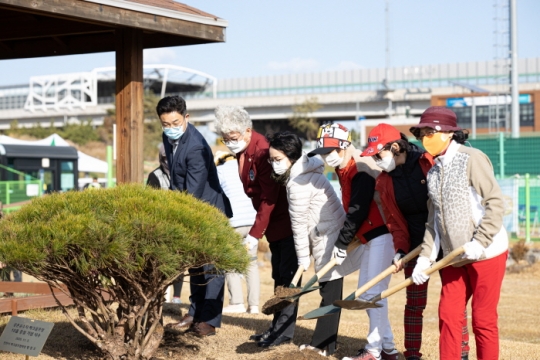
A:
x,y
411,255
326,268
437,266
298,275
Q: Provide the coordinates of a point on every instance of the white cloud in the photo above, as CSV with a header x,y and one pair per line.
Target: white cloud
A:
x,y
294,65
347,65
161,55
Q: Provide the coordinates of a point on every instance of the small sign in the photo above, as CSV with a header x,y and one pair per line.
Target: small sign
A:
x,y
25,336
32,189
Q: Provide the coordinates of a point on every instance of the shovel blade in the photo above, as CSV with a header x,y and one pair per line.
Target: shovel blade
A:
x,y
356,304
320,312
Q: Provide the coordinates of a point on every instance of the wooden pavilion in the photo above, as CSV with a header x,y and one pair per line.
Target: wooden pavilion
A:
x,y
38,28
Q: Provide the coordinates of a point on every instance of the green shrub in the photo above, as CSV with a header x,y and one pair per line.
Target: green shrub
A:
x,y
127,243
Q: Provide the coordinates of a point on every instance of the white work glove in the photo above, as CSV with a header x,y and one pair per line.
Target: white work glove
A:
x,y
473,250
397,257
339,255
305,261
418,276
250,242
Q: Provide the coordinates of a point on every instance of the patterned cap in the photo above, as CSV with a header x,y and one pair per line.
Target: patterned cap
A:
x,y
331,137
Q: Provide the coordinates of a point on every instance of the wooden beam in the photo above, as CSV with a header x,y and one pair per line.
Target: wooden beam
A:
x,y
129,106
27,287
109,15
46,27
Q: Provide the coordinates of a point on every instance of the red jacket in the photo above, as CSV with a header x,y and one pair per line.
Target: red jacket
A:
x,y
395,221
268,197
372,225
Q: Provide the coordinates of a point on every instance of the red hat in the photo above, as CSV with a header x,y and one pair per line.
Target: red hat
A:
x,y
379,136
439,118
331,137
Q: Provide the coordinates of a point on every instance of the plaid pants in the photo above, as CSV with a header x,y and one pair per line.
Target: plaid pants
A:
x,y
412,322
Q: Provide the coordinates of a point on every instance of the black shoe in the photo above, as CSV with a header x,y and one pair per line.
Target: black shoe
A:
x,y
261,337
271,342
465,357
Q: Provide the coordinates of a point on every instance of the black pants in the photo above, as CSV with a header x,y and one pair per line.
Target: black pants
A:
x,y
326,330
206,296
284,266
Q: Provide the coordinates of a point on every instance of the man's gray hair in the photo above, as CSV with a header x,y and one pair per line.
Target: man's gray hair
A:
x,y
232,118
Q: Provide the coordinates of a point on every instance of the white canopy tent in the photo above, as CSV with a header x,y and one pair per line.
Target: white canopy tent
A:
x,y
87,163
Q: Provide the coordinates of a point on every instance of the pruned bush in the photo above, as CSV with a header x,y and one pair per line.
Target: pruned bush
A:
x,y
117,250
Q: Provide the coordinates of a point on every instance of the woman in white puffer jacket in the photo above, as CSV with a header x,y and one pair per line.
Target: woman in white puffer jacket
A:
x,y
317,217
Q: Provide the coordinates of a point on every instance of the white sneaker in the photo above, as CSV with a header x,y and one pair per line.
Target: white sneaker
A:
x,y
253,310
236,308
176,300
312,348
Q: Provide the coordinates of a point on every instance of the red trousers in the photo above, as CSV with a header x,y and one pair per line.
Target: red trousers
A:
x,y
413,317
482,280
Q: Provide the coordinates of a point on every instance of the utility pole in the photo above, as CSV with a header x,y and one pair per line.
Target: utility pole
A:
x,y
514,69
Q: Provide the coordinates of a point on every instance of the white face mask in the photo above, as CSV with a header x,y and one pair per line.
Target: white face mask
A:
x,y
333,159
280,167
386,163
236,148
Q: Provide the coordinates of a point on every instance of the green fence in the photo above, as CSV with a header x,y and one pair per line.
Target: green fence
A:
x,y
17,191
12,192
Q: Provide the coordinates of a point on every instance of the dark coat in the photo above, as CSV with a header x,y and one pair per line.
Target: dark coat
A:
x,y
192,169
268,197
411,180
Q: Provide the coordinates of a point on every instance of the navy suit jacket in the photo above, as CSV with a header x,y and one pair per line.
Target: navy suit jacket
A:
x,y
193,170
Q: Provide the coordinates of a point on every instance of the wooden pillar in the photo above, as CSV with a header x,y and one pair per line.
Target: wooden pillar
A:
x,y
129,106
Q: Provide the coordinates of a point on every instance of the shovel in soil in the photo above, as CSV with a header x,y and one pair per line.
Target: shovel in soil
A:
x,y
332,309
308,287
285,296
275,303
372,303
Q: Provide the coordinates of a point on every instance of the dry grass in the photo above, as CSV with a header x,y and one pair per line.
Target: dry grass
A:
x,y
518,318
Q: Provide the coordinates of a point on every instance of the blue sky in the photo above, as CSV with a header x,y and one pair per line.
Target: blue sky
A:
x,y
279,36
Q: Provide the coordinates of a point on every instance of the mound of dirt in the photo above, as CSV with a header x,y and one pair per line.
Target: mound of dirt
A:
x,y
524,270
275,303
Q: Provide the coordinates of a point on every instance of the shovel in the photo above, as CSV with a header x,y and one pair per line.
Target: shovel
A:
x,y
275,303
284,296
308,287
372,303
332,309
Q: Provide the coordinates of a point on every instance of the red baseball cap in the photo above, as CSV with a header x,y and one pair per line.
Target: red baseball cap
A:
x,y
379,136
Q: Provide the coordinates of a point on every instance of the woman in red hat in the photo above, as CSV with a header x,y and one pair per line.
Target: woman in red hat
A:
x,y
403,189
466,210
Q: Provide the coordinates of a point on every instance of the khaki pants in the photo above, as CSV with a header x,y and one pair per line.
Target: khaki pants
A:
x,y
234,284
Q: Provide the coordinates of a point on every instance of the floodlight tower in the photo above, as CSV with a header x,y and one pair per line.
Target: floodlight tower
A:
x,y
514,69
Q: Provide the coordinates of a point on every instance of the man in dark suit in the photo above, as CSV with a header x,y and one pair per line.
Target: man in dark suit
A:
x,y
269,199
192,169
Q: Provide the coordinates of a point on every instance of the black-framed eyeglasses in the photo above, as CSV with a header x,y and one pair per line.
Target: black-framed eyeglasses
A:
x,y
377,156
429,133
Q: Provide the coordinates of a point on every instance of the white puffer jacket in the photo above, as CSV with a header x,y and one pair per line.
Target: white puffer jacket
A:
x,y
317,216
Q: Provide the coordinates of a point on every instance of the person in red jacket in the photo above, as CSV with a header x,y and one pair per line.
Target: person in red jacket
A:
x,y
404,195
364,221
270,201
